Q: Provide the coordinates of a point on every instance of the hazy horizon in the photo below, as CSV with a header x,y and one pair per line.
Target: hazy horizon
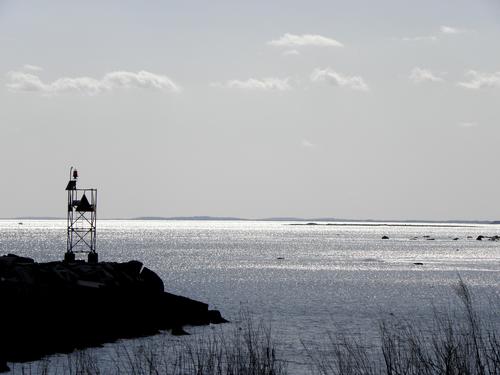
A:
x,y
323,219
355,110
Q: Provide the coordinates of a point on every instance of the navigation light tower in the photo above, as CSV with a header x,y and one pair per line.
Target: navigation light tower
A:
x,y
81,220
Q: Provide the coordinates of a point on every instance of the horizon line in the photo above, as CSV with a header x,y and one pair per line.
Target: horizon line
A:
x,y
277,218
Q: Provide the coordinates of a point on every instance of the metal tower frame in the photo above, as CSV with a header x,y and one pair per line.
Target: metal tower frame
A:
x,y
81,220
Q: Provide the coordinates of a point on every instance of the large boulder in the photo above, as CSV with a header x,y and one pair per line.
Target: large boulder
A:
x,y
152,280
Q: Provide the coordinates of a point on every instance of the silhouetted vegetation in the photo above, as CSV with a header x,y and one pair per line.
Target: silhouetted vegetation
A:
x,y
453,343
247,349
456,342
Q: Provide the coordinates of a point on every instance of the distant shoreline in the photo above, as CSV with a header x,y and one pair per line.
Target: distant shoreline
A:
x,y
299,221
392,224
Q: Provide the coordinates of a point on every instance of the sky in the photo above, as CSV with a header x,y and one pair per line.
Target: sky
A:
x,y
347,109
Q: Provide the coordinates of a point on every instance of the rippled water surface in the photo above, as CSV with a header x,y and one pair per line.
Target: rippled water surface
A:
x,y
304,279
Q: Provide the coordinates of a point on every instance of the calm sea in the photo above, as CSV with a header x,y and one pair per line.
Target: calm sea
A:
x,y
305,280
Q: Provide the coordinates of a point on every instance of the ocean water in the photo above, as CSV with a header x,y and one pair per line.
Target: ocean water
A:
x,y
305,280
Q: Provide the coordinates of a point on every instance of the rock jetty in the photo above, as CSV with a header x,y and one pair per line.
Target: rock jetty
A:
x,y
58,307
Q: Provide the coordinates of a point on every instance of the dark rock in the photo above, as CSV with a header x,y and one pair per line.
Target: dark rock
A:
x,y
178,331
57,307
3,366
216,318
455,239
480,237
385,237
280,258
418,264
132,267
15,259
152,280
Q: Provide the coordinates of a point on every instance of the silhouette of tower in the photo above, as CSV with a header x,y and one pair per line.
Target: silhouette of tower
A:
x,y
81,220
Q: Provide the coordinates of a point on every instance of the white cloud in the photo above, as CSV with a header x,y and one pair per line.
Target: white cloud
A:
x,y
291,52
468,124
291,40
480,80
265,84
307,144
419,75
28,82
32,68
142,79
337,79
20,81
450,30
446,30
429,38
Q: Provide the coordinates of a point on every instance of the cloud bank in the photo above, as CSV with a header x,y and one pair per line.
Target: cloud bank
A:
x,y
291,40
478,80
265,84
336,79
30,82
419,75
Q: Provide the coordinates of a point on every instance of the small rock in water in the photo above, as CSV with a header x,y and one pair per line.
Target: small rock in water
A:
x,y
455,239
280,258
385,237
418,263
480,237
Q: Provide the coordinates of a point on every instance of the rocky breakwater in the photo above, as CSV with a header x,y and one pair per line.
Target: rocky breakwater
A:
x,y
58,307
